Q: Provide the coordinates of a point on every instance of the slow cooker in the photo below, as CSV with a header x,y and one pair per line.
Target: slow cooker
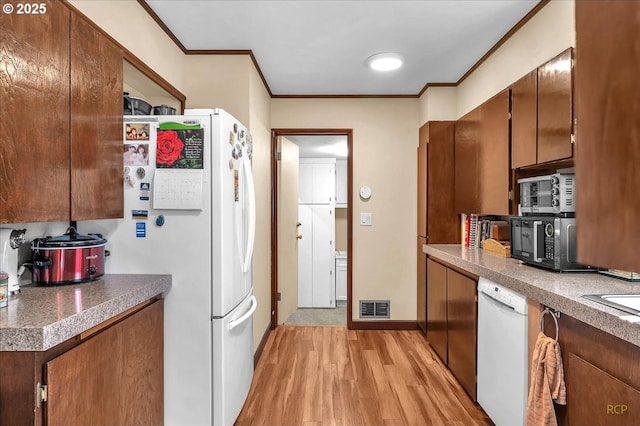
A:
x,y
69,258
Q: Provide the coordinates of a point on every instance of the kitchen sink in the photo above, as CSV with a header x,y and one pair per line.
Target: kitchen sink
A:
x,y
629,303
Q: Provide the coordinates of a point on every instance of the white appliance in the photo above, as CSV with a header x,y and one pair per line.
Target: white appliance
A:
x,y
10,242
341,278
190,212
502,353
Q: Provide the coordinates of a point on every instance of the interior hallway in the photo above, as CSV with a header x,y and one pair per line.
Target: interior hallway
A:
x,y
328,375
318,316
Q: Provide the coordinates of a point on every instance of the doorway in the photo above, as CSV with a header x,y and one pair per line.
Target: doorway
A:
x,y
282,236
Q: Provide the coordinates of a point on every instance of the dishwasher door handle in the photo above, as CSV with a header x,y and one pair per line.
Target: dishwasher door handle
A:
x,y
497,302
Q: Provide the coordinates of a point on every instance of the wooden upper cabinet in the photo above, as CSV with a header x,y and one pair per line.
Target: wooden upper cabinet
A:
x,y
524,121
555,108
34,116
423,141
607,154
467,166
482,167
61,122
437,219
96,124
494,156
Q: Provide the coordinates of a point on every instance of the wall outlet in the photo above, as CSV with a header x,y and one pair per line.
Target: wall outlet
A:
x,y
365,219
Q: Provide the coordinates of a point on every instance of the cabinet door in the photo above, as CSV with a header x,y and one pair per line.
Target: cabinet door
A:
x,y
316,286
467,167
607,141
305,183
494,156
462,329
597,398
437,308
114,377
34,117
323,256
324,183
524,124
96,124
443,224
555,109
341,280
423,142
317,182
482,158
421,285
305,256
342,197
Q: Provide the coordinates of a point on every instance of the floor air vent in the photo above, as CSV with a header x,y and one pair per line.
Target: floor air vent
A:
x,y
375,309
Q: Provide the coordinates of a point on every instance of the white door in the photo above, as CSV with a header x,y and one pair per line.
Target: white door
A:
x,y
323,260
305,256
287,229
316,287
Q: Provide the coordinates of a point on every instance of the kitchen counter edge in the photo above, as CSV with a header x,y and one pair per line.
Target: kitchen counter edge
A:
x,y
39,318
562,291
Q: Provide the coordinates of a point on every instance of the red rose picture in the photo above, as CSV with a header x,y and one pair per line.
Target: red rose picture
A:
x,y
169,148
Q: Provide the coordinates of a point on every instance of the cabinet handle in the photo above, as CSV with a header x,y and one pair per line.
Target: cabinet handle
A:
x,y
299,237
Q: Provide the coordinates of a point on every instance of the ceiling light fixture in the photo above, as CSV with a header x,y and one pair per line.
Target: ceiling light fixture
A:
x,y
384,61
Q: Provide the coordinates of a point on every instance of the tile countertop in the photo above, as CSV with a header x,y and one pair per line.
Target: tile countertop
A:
x,y
39,318
558,290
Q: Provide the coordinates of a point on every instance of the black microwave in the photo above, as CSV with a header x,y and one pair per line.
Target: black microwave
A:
x,y
546,241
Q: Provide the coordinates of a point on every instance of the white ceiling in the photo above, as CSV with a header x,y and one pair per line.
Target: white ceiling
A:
x,y
320,146
319,47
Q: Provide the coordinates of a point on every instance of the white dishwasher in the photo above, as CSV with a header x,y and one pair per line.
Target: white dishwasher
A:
x,y
502,353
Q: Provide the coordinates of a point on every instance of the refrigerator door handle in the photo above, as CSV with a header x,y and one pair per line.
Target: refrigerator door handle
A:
x,y
252,213
236,322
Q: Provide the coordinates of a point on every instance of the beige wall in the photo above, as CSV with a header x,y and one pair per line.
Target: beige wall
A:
x,y
260,124
221,81
385,137
438,103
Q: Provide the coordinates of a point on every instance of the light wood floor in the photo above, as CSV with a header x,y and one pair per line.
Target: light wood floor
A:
x,y
325,375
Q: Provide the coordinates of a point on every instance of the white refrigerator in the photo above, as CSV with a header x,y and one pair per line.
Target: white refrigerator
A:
x,y
190,212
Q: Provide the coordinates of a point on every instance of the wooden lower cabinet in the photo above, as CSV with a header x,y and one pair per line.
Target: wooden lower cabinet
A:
x,y
114,376
601,375
462,329
437,308
421,303
452,321
605,401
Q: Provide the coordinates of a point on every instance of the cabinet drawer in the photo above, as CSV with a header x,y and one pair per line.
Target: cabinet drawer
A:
x,y
596,398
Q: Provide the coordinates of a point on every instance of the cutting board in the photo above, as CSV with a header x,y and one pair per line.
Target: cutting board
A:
x,y
501,248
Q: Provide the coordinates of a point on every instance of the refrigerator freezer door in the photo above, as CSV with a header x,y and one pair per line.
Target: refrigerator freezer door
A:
x,y
232,362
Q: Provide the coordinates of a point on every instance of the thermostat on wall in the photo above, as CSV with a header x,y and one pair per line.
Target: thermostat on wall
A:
x,y
365,192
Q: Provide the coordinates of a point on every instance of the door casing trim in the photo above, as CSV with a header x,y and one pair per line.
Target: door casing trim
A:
x,y
274,212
